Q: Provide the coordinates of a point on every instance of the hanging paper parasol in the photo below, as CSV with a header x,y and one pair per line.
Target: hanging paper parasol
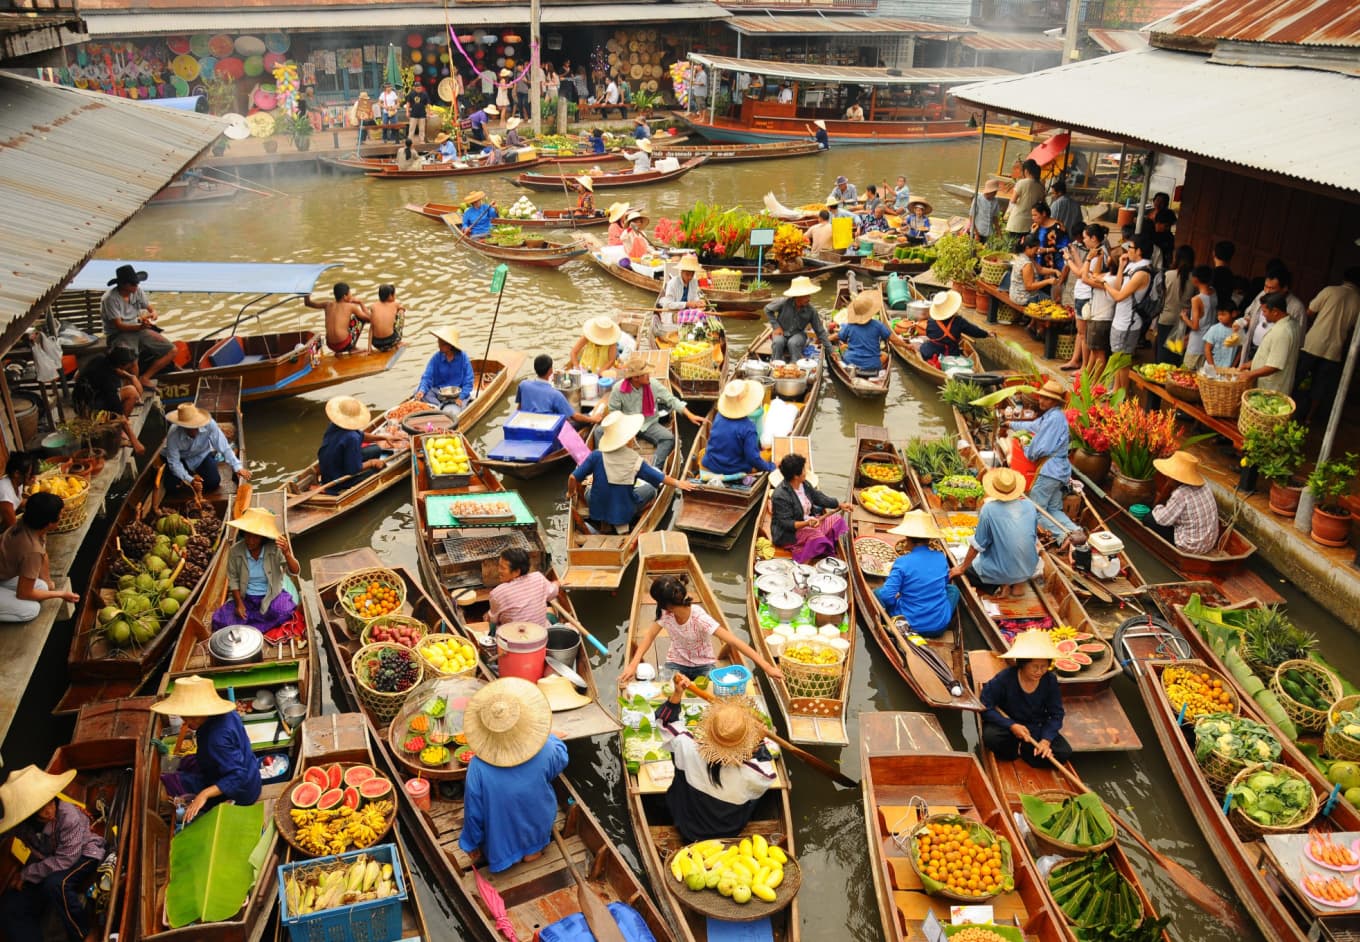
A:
x,y
181,86
254,66
392,72
265,98
250,46
200,44
185,67
238,129
467,38
221,45
415,40
207,66
179,45
231,68
415,55
277,42
273,60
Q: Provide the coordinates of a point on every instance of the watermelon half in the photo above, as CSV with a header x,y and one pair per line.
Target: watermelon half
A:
x,y
1066,665
317,776
305,795
1067,646
330,799
375,787
351,798
334,775
357,775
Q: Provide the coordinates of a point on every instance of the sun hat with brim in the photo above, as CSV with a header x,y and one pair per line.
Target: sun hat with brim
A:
x,y
1033,644
728,732
476,196
945,305
645,145
507,722
441,138
258,521
127,275
1181,467
601,330
497,140
586,182
27,790
1052,389
562,696
917,524
832,204
618,429
188,415
740,397
637,364
842,180
505,72
348,412
801,287
447,334
617,211
866,306
926,208
690,263
1004,484
635,215
991,187
492,110
512,123
193,696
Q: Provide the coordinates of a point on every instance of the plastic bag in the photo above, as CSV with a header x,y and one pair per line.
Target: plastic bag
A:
x,y
46,356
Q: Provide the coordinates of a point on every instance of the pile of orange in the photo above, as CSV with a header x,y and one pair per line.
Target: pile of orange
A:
x,y
376,600
1200,692
947,854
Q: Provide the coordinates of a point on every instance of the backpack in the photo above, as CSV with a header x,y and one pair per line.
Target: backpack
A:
x,y
1147,307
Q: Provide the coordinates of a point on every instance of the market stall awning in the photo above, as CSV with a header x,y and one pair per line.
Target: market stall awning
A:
x,y
208,277
1295,128
1118,40
74,167
984,41
794,25
844,74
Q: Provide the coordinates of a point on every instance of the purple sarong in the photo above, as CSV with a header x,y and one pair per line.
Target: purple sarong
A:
x,y
280,610
815,542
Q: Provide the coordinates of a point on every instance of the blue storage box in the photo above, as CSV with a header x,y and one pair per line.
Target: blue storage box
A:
x,y
533,427
377,920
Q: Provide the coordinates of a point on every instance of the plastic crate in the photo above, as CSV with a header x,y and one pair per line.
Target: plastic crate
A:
x,y
440,482
376,920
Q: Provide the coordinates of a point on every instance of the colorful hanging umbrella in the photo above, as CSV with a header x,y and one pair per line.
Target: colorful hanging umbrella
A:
x,y
273,60
250,46
200,44
254,65
185,67
206,67
231,68
179,45
277,42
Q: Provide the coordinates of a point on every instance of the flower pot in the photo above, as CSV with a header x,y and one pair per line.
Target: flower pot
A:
x,y
302,143
271,146
1126,491
967,292
1284,498
1331,529
1094,464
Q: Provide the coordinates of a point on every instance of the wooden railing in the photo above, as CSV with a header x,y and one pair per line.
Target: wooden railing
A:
x,y
860,6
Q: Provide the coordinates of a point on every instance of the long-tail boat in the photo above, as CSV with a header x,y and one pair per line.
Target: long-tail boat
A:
x,y
96,668
903,757
432,171
549,218
550,254
609,180
905,651
667,554
910,356
737,153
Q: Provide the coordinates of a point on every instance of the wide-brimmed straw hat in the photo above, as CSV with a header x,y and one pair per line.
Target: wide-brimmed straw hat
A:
x,y
27,790
637,214
945,305
1052,389
492,110
505,72
690,263
842,180
476,196
348,412
645,145
601,330
637,364
1033,644
193,696
512,123
820,123
926,208
618,429
127,275
801,287
991,187
507,722
441,137
562,696
188,415
917,524
728,732
866,306
1004,484
617,211
1182,467
447,334
832,203
258,521
585,181
740,397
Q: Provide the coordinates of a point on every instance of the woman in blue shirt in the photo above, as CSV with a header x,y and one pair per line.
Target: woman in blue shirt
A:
x,y
223,767
258,593
449,370
733,443
622,483
864,333
1003,553
918,588
478,215
343,452
945,329
1023,711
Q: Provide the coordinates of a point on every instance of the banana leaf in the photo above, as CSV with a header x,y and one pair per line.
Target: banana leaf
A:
x,y
994,399
211,867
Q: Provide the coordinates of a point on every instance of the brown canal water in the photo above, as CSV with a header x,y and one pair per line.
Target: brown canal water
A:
x,y
361,224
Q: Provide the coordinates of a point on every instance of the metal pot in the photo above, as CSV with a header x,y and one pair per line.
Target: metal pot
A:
x,y
918,310
778,565
775,583
824,583
236,644
293,714
827,609
834,566
808,366
752,369
286,696
263,702
791,387
784,606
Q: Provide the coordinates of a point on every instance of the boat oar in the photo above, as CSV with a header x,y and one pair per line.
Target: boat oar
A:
x,y
826,768
598,917
244,491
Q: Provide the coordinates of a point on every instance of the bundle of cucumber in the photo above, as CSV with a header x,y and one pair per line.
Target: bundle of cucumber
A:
x,y
1100,903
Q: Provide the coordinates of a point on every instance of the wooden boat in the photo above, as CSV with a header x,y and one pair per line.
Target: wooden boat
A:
x,y
874,442
667,553
813,268
311,507
909,354
438,170
697,384
904,756
95,668
711,513
606,181
551,218
739,305
550,255
536,893
193,188
734,153
854,382
548,158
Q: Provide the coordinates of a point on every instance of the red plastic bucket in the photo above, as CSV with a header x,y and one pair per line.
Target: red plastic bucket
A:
x,y
1019,463
523,647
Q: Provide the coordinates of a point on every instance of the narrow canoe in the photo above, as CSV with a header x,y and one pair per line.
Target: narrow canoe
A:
x,y
551,218
910,356
194,190
858,385
734,153
436,170
549,159
905,756
605,181
550,255
667,553
699,384
874,443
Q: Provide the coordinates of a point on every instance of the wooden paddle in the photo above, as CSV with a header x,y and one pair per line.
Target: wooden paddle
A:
x,y
244,491
826,768
321,489
598,917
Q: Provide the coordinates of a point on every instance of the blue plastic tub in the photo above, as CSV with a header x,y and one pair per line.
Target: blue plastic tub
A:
x,y
377,920
729,681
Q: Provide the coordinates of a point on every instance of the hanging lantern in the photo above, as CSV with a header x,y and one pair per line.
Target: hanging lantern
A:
x,y
489,39
509,63
415,55
444,58
466,38
418,69
509,50
500,62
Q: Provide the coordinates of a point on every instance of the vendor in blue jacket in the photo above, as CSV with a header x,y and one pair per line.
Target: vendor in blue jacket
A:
x,y
346,452
448,378
223,767
621,481
864,333
1022,706
918,588
479,215
733,443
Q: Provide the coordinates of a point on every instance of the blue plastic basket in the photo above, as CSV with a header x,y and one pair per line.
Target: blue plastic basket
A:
x,y
377,920
729,681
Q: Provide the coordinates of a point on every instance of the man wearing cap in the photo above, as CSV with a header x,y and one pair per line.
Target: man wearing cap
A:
x,y
540,397
636,393
641,158
1048,449
258,567
343,452
791,316
388,103
191,449
129,321
984,210
733,449
622,483
416,104
843,192
682,288
478,121
448,377
945,330
478,215
1274,362
864,334
1003,553
223,767
1185,513
918,587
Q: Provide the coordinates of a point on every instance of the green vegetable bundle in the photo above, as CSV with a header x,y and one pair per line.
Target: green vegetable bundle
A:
x,y
961,487
1270,403
1076,821
1234,737
1092,893
1274,796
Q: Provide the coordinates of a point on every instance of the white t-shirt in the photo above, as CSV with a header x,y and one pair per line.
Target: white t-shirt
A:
x,y
8,495
1123,310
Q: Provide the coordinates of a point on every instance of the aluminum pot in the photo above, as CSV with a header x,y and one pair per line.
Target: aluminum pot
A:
x,y
293,714
791,387
784,606
824,583
754,369
918,310
779,564
834,566
828,609
236,644
286,696
775,583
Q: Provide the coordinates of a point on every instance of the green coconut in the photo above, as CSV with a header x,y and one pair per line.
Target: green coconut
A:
x,y
180,594
108,613
169,606
118,633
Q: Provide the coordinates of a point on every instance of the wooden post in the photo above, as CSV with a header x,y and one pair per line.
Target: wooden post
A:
x,y
535,70
561,115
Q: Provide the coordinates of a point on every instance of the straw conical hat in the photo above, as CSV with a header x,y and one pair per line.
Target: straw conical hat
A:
x,y
617,211
27,790
728,732
507,722
917,524
739,398
193,696
562,696
447,334
1032,644
188,415
802,287
259,521
1181,467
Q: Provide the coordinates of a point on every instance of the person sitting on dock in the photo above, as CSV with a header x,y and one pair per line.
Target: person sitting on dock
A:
x,y
790,317
66,853
1185,513
386,319
191,448
258,592
640,158
682,288
109,382
523,593
917,588
345,318
864,334
819,135
509,803
792,524
603,345
20,469
1048,451
25,571
448,377
130,321
478,216
540,397
223,767
622,483
843,192
733,451
479,119
343,453
1003,554
917,223
1023,709
585,195
617,225
637,393
946,328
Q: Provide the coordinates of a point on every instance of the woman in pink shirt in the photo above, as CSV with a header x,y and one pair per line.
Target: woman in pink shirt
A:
x,y
521,595
616,224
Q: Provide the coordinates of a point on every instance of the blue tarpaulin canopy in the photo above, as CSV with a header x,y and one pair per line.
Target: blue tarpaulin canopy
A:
x,y
260,278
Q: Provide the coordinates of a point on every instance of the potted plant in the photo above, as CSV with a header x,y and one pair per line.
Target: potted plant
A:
x,y
956,264
787,250
959,492
1137,437
281,127
1277,455
302,132
996,255
644,102
1330,482
1092,398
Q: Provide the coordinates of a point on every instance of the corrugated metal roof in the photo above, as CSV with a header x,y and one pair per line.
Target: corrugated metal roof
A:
x,y
806,72
1294,129
942,11
1118,40
790,25
208,277
74,165
1296,22
1012,42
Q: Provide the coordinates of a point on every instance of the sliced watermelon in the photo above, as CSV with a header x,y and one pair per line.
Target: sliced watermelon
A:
x,y
1092,648
375,787
334,775
1067,646
305,795
358,774
1082,659
1083,636
317,776
1067,665
351,797
330,799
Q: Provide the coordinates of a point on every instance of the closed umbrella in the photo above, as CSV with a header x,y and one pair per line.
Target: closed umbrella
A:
x,y
495,906
393,71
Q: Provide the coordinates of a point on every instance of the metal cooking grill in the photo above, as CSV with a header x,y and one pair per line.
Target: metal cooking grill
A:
x,y
471,549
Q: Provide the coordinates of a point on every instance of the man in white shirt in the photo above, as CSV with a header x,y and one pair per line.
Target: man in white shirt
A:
x,y
743,83
388,103
785,95
1278,278
611,92
698,88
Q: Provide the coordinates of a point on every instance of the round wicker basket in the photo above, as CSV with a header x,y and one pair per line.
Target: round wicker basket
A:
x,y
1222,394
1304,716
352,585
366,636
994,269
1251,830
1184,393
1007,864
1253,419
382,705
445,637
1335,743
722,907
1045,842
72,507
812,680
1235,705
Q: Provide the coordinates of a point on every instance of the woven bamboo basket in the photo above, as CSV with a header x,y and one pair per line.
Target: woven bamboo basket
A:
x,y
1055,796
1235,702
443,673
355,622
726,280
1253,419
1335,743
383,706
1067,344
366,636
1304,716
1007,864
1220,770
813,680
1222,394
707,359
993,270
1005,314
1184,393
1250,830
72,507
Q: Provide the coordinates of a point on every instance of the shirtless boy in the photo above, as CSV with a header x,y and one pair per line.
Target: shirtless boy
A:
x,y
386,320
345,318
